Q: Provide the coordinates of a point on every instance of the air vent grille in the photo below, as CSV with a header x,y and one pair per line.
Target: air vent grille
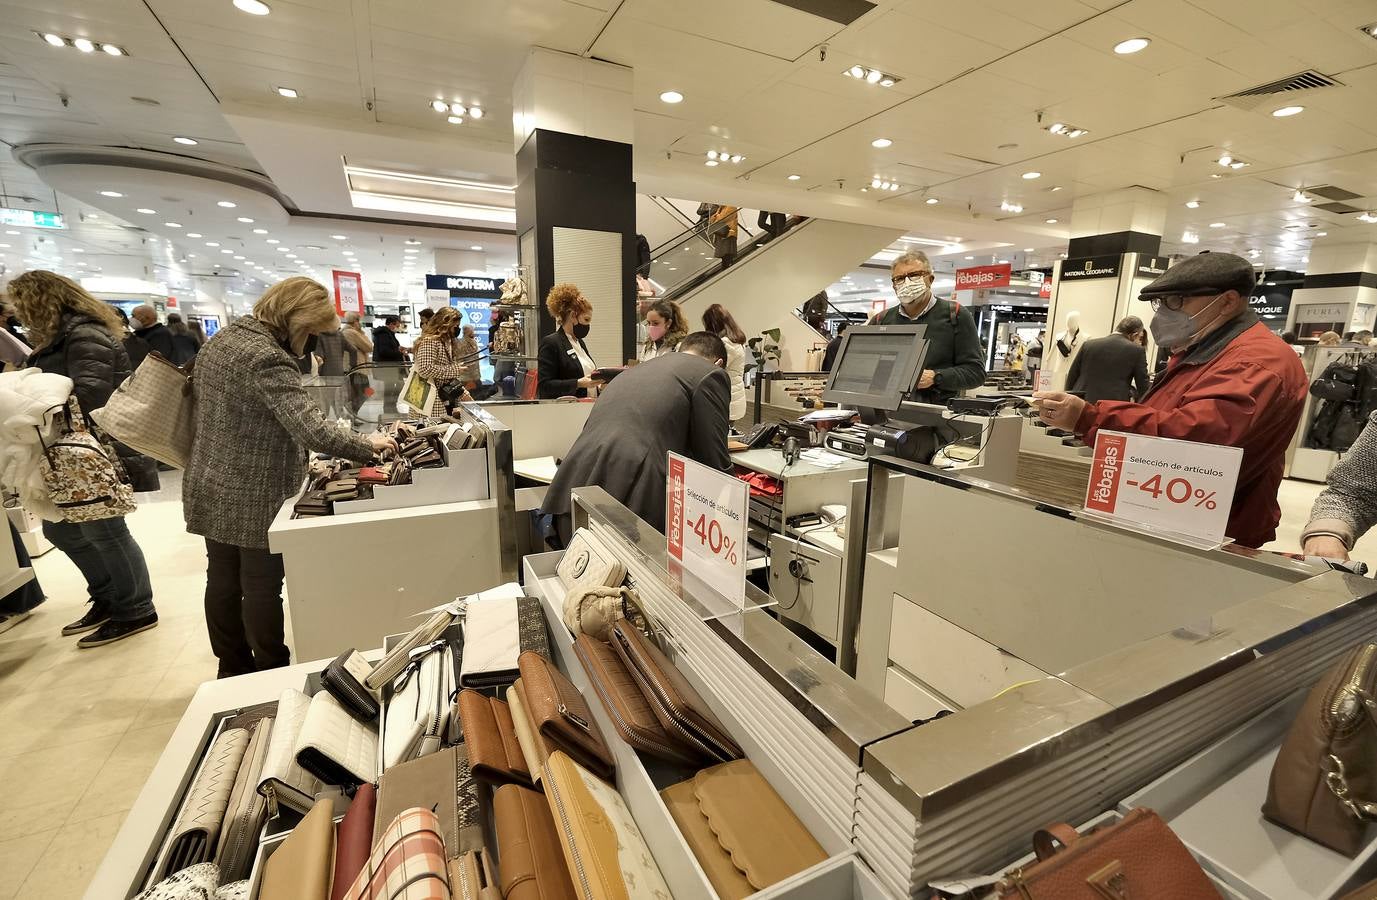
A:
x,y
1337,207
1330,192
1253,97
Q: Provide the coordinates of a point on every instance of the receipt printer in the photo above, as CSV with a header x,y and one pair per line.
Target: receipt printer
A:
x,y
915,443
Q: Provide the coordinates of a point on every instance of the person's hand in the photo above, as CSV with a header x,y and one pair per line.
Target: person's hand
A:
x,y
927,379
588,381
1058,408
1325,545
382,442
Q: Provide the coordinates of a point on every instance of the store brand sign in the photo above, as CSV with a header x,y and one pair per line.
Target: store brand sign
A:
x,y
1090,267
705,525
29,218
1322,312
460,283
979,277
1178,488
1152,266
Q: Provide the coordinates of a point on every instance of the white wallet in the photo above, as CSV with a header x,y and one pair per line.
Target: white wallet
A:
x,y
334,746
492,643
417,716
283,781
588,563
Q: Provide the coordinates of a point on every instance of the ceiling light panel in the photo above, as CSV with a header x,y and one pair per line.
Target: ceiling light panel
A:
x,y
872,76
83,44
1067,130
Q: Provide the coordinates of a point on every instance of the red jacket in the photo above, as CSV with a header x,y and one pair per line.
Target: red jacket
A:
x,y
1241,387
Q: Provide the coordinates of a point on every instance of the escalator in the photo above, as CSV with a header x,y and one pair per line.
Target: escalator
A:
x,y
686,261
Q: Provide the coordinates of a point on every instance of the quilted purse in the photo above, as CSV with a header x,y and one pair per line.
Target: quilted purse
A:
x,y
334,746
84,478
283,782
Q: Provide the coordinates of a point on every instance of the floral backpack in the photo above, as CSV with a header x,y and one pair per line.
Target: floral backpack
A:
x,y
85,478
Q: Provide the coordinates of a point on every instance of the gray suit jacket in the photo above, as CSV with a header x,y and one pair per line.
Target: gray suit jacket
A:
x,y
675,402
1109,368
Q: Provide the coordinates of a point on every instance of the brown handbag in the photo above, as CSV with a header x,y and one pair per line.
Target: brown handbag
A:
x,y
562,716
1138,856
1325,776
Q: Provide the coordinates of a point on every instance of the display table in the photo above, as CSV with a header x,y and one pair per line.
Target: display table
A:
x,y
12,576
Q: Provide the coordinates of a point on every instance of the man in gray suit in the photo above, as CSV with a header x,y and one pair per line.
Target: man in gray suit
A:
x,y
675,402
1113,367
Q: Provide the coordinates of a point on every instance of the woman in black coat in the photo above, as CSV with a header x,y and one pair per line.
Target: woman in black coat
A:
x,y
81,337
565,367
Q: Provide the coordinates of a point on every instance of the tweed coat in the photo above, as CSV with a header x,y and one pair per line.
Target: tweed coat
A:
x,y
254,424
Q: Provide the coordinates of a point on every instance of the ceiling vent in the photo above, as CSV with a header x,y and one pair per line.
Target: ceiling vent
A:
x,y
1254,97
1329,192
1337,208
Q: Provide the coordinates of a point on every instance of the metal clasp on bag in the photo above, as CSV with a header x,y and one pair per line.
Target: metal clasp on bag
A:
x,y
1336,779
413,665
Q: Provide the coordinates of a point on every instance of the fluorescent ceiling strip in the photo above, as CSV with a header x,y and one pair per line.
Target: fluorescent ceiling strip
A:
x,y
393,203
433,180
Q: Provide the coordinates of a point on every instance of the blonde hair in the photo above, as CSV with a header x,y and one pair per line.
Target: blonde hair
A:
x,y
564,300
295,309
41,298
1329,339
442,326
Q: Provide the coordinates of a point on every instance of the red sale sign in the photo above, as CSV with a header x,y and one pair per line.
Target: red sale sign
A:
x,y
980,277
348,292
705,527
675,517
1045,290
1105,472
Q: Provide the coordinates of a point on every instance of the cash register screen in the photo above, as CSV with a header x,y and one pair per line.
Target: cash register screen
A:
x,y
876,366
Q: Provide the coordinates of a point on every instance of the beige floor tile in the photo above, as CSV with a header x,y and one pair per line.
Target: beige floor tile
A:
x,y
53,717
73,856
120,779
43,787
18,858
172,693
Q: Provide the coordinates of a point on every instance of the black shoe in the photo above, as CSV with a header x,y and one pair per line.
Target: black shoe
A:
x,y
95,617
114,630
11,620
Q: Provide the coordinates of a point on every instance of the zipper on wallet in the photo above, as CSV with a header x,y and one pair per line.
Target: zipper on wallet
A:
x,y
570,843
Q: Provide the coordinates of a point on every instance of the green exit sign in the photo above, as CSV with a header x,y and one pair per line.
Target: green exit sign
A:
x,y
31,218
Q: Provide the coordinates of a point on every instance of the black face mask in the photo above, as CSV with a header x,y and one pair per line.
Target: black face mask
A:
x,y
581,330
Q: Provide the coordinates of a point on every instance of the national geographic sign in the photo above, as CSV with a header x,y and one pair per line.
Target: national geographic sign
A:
x,y
1086,267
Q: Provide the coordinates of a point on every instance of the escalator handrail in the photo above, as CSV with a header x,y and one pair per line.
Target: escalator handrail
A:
x,y
710,272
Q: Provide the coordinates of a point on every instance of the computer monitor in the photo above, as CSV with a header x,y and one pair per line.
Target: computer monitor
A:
x,y
876,366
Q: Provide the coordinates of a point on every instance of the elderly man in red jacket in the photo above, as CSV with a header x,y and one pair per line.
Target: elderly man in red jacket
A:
x,y
1230,381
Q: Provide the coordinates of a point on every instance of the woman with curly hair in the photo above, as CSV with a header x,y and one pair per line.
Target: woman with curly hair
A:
x,y
79,336
565,366
666,326
435,359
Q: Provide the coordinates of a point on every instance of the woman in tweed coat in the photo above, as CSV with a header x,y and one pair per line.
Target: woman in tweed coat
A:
x,y
434,353
1347,507
254,426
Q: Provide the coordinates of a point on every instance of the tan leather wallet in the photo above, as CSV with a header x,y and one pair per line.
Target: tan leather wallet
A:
x,y
301,868
533,746
630,711
562,716
741,832
490,737
532,865
440,782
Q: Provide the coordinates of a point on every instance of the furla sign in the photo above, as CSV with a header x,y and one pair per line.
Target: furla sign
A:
x,y
980,277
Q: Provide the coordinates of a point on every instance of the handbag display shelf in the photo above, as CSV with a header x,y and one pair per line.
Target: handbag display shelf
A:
x,y
464,476
1213,800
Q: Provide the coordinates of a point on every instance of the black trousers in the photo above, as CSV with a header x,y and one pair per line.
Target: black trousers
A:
x,y
244,608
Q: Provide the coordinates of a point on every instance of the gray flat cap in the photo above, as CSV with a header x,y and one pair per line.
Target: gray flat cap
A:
x,y
1207,273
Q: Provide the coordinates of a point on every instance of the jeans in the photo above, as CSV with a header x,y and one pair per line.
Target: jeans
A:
x,y
30,595
244,608
105,552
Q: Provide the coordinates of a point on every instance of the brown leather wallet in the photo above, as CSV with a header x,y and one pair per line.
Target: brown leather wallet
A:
x,y
562,716
631,714
439,781
673,700
490,738
533,866
354,840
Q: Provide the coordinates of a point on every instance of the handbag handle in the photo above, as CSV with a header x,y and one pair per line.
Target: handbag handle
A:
x,y
1046,839
1337,781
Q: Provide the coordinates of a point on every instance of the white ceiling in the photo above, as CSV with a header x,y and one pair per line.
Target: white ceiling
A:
x,y
964,119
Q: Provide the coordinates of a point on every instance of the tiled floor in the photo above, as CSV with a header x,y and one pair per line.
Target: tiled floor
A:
x,y
80,731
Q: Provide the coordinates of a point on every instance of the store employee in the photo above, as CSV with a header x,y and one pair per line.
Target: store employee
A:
x,y
955,361
1230,381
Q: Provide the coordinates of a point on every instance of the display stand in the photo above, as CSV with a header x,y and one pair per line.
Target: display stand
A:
x,y
12,576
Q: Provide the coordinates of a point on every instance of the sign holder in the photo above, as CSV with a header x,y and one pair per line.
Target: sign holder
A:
x,y
348,292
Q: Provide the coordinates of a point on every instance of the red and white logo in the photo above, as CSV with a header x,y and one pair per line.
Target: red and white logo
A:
x,y
980,277
1102,493
675,518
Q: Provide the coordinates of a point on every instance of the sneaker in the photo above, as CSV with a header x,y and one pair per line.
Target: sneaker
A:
x,y
8,622
114,630
95,617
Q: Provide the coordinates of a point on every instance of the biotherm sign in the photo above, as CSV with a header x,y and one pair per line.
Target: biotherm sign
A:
x,y
981,277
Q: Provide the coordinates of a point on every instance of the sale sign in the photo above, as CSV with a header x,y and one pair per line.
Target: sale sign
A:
x,y
1162,483
1045,289
348,292
979,277
705,525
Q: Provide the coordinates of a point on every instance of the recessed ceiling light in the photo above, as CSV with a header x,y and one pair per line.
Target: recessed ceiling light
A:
x,y
55,40
932,201
260,231
410,241
146,211
458,109
112,50
227,250
226,204
212,243
439,106
477,248
283,249
475,112
78,250
84,45
881,143
455,120
709,162
1192,204
246,220
252,7
111,194
273,241
795,177
671,97
1029,176
1132,45
339,237
289,93
1054,188
1051,221
1322,234
1027,249
1285,111
172,225
1216,224
189,142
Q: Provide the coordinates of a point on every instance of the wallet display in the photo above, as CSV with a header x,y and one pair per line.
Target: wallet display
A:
x,y
561,716
334,746
497,631
442,782
532,864
588,562
344,679
283,782
494,753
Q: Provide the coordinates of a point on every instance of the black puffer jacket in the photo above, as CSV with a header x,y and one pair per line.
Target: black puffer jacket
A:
x,y
96,362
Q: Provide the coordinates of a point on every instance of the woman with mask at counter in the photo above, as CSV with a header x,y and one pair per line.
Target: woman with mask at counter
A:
x,y
666,327
565,368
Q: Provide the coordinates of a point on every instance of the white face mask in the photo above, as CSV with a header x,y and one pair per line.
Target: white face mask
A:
x,y
912,290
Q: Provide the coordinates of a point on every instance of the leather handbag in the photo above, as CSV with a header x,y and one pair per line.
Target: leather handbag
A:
x,y
344,679
196,833
301,867
594,609
417,715
490,738
680,709
354,840
1324,780
247,808
587,562
334,746
602,845
474,877
528,845
441,781
533,746
562,717
742,833
153,411
407,863
634,720
283,782
1138,856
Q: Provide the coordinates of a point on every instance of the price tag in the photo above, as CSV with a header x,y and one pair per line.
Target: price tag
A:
x,y
705,525
1044,380
1161,483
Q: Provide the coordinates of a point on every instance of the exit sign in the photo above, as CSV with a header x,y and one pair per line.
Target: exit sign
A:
x,y
30,218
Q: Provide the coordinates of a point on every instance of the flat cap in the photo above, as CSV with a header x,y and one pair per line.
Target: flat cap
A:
x,y
1206,273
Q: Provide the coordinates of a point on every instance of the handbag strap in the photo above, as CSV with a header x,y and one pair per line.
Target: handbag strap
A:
x,y
1336,779
1046,839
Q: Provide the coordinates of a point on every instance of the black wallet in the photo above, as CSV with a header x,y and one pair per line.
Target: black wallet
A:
x,y
313,503
342,679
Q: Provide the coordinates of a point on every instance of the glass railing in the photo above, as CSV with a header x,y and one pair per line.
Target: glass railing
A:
x,y
687,260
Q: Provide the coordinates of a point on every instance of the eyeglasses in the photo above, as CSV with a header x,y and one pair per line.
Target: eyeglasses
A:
x,y
1173,302
900,279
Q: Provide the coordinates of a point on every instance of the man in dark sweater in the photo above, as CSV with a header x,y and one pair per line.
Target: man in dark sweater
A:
x,y
954,362
152,332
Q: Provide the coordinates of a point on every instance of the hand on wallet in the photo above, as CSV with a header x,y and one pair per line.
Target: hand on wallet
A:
x,y
382,442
